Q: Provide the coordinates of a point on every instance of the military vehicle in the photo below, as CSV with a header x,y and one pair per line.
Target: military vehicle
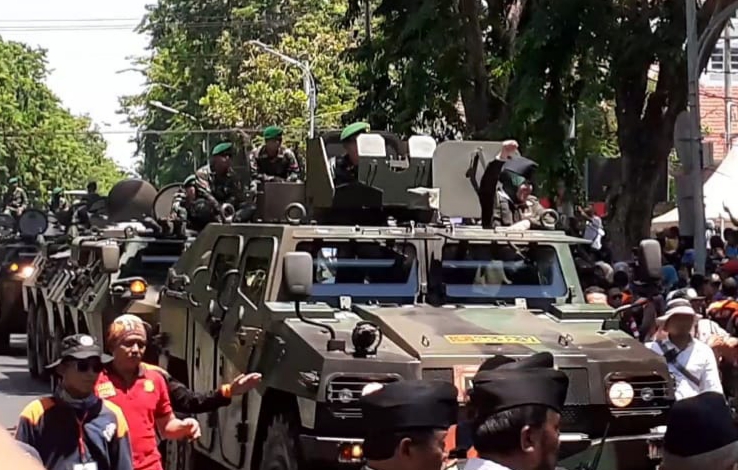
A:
x,y
17,251
323,309
116,266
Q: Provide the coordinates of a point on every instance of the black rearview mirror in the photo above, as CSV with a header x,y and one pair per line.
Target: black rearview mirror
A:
x,y
298,274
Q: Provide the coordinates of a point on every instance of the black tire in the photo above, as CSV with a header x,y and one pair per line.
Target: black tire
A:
x,y
31,346
56,342
178,455
280,450
5,342
43,345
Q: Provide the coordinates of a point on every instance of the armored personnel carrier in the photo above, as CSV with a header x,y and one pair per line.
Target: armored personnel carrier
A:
x,y
323,310
17,252
116,266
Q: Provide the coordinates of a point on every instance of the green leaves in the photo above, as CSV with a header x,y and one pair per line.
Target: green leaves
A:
x,y
40,141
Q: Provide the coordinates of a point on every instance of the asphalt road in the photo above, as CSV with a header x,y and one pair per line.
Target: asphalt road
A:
x,y
17,388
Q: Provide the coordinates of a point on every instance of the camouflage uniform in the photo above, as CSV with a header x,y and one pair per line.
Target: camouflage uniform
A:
x,y
58,203
16,200
264,168
344,172
226,188
190,210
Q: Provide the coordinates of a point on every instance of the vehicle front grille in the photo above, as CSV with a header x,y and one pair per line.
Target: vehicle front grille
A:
x,y
650,392
346,389
578,391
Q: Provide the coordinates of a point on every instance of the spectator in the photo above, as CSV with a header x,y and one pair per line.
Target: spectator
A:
x,y
615,297
593,231
75,429
595,295
407,422
691,363
141,393
700,434
731,243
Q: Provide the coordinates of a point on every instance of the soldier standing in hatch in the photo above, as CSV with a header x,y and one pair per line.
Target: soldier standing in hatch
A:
x,y
16,199
273,161
223,182
346,168
58,202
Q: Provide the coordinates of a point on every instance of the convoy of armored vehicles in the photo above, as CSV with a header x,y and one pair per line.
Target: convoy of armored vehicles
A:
x,y
332,289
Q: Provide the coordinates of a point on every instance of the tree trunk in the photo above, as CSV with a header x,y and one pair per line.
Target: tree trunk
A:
x,y
476,96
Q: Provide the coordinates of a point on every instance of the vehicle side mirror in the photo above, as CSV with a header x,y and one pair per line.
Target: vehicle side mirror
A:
x,y
298,274
650,258
110,254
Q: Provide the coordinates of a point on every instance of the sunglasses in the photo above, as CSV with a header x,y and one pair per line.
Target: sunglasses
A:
x,y
87,365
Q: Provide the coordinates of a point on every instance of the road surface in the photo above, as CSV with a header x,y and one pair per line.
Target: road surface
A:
x,y
17,388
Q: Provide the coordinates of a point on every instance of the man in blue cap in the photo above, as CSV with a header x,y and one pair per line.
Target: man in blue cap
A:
x,y
346,168
222,182
15,200
273,161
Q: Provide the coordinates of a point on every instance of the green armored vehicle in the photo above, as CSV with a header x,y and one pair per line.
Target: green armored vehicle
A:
x,y
17,252
116,266
323,310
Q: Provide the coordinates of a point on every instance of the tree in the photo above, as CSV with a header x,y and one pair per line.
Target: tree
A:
x,y
523,67
201,64
40,141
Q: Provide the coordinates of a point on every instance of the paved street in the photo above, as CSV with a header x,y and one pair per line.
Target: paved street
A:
x,y
16,386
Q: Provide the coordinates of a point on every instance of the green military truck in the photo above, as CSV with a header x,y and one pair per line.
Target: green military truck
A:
x,y
323,310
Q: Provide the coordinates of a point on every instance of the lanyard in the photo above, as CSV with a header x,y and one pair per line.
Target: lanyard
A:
x,y
81,437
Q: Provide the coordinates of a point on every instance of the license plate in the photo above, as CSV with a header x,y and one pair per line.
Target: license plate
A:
x,y
655,449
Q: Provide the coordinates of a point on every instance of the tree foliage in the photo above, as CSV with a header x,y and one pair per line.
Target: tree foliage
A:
x,y
201,63
41,142
522,68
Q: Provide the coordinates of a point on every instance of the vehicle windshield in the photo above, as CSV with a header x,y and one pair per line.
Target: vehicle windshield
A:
x,y
152,264
501,271
373,270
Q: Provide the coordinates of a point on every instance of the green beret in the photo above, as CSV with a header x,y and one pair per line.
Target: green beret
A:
x,y
13,180
272,132
222,148
57,190
354,129
190,180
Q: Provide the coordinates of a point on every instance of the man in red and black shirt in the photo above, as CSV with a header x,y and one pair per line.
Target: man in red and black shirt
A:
x,y
141,392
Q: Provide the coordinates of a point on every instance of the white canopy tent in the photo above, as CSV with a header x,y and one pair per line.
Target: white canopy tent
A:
x,y
720,188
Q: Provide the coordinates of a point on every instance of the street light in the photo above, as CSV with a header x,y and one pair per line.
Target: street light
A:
x,y
307,77
169,109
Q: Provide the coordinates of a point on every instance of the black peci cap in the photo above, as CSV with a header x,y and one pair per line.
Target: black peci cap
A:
x,y
504,389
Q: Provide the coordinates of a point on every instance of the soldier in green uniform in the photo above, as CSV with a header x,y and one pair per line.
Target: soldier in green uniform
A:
x,y
346,168
15,200
222,181
273,161
58,202
194,204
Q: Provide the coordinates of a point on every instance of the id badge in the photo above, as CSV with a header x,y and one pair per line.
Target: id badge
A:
x,y
85,466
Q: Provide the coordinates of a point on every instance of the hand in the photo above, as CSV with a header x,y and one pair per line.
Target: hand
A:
x,y
726,208
509,147
192,428
245,382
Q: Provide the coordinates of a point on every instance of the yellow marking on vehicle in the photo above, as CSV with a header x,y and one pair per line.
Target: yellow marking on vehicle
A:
x,y
492,339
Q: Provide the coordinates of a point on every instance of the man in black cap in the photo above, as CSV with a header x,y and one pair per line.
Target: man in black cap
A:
x,y
700,434
406,424
74,429
517,413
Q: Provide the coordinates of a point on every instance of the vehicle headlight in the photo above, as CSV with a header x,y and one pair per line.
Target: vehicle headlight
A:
x,y
26,272
621,394
371,388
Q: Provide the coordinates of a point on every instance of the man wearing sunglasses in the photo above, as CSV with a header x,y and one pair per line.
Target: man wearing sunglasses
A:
x,y
74,429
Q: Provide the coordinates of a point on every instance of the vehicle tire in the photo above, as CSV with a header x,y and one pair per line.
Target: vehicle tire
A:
x,y
43,346
5,342
31,343
178,456
56,342
280,448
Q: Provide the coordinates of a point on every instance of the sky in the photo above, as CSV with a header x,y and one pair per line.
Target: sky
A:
x,y
88,43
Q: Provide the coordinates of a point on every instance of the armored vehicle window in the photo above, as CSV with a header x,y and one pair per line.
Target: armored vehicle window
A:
x,y
225,258
153,262
364,270
257,261
502,271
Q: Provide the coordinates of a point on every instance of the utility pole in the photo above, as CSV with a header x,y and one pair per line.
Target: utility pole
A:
x,y
728,70
368,19
695,136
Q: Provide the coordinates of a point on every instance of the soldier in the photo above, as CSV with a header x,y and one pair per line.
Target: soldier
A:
x,y
346,168
92,195
272,161
194,204
515,205
517,413
58,202
15,200
222,181
406,424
